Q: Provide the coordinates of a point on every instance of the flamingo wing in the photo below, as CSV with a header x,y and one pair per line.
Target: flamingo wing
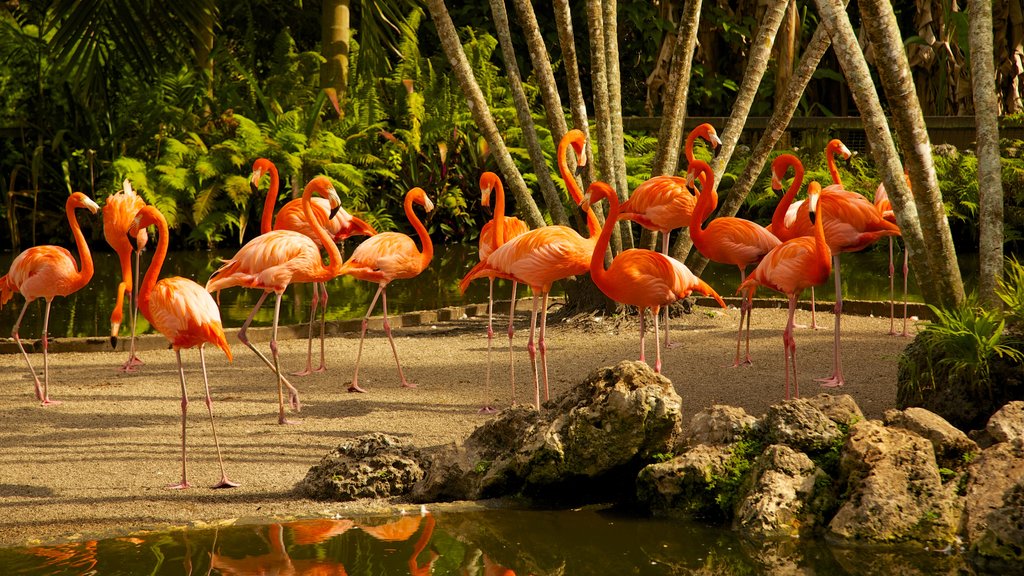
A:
x,y
384,257
737,241
789,268
661,203
268,262
291,217
541,256
43,272
186,314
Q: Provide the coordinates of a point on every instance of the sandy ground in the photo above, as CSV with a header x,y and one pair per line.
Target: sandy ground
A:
x,y
98,463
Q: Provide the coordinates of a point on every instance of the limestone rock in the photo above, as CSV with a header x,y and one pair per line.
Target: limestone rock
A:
x,y
798,423
993,520
718,424
895,490
684,485
841,409
1008,423
774,501
950,443
370,466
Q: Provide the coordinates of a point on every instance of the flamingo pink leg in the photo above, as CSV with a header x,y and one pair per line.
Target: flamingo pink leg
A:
x,y
490,338
533,354
892,292
387,330
17,340
657,344
319,298
224,482
789,346
746,305
643,329
906,269
133,360
184,412
354,387
277,367
244,339
511,332
543,345
323,325
836,379
668,307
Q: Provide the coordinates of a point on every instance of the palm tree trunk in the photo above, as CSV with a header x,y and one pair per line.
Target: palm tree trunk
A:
x,y
602,108
552,198
335,33
577,105
481,113
894,71
990,184
614,79
1009,34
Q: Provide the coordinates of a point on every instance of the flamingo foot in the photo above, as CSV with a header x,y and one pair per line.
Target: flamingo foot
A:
x,y
286,422
128,368
320,370
48,402
355,388
408,385
225,483
306,372
180,486
487,410
831,381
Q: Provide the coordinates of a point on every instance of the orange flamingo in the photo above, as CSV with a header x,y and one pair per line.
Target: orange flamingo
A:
x,y
851,223
338,223
385,257
792,266
540,257
119,211
47,272
641,278
884,207
496,232
188,317
271,262
664,203
728,240
277,561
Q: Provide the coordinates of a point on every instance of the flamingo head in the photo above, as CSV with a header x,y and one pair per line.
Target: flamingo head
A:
x,y
488,181
322,186
780,166
693,172
836,146
79,200
708,132
418,196
578,141
259,168
595,193
813,193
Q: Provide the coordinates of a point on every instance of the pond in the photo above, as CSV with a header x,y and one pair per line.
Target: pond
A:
x,y
87,312
486,543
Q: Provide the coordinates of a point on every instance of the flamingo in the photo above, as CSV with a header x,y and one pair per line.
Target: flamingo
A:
x,y
884,207
338,223
540,257
277,560
728,240
271,262
119,211
641,278
47,272
851,223
792,266
188,317
385,257
664,203
495,233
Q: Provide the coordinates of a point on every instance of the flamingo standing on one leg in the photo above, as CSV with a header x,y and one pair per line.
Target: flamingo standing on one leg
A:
x,y
271,262
664,203
728,240
496,232
641,278
385,257
884,207
47,272
792,266
119,212
338,223
187,316
851,223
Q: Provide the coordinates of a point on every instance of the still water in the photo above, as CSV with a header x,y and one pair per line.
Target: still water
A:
x,y
87,312
490,543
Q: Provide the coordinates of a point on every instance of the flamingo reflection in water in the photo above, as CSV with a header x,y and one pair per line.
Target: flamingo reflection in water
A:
x,y
277,560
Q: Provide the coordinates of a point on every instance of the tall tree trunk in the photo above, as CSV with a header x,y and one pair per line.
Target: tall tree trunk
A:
x,y
602,109
335,34
614,79
577,106
908,119
883,149
1009,36
757,64
204,49
990,184
552,198
481,113
785,51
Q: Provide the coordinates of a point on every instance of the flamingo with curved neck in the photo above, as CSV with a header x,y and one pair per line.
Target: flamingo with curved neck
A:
x,y
187,316
386,257
119,211
641,278
835,146
271,262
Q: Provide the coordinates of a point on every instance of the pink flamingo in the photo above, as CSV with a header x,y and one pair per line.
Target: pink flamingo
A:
x,y
851,224
664,203
728,240
271,262
540,257
339,225
188,317
641,278
385,257
119,211
47,272
496,232
884,207
792,266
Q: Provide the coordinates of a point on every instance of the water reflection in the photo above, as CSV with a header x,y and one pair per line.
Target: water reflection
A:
x,y
490,543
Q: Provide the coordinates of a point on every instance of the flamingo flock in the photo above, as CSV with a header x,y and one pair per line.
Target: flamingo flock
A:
x,y
798,250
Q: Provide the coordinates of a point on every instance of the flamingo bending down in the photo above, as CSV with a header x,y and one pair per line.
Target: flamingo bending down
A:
x,y
540,257
664,203
47,272
271,262
187,316
728,240
338,223
884,207
496,232
119,212
792,266
851,223
385,257
641,278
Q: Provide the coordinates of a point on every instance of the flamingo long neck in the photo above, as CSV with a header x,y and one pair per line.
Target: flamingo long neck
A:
x,y
427,254
707,201
86,270
593,226
821,250
153,216
267,222
597,271
688,149
830,152
499,215
779,216
334,268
